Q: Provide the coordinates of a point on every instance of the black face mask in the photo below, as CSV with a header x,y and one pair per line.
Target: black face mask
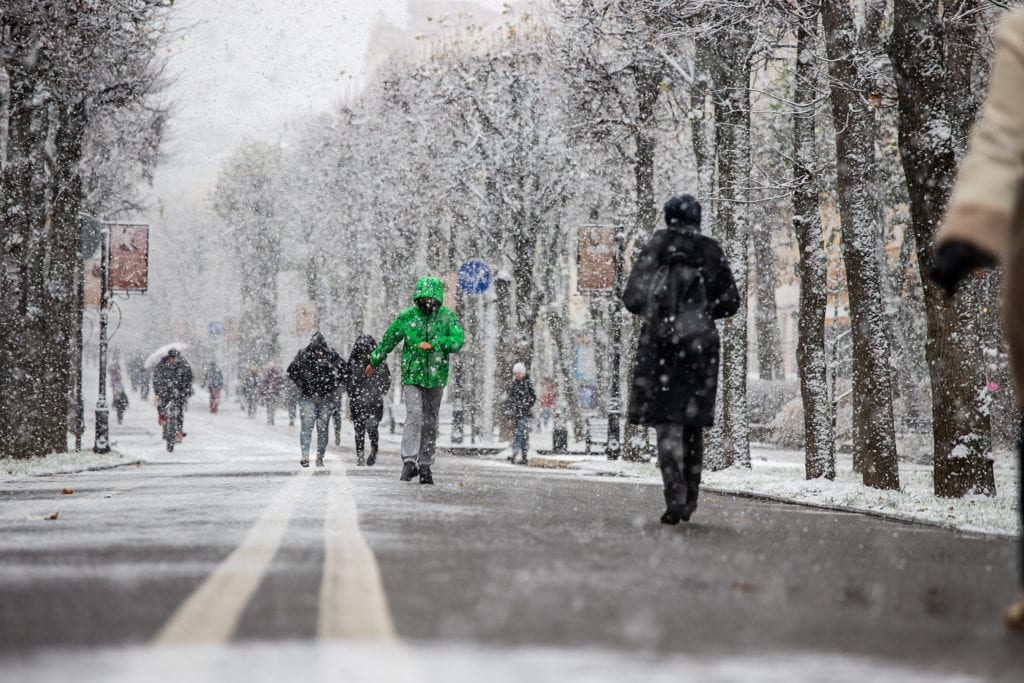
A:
x,y
428,306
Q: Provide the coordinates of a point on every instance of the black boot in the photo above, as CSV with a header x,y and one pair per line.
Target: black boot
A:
x,y
425,477
409,470
673,515
372,457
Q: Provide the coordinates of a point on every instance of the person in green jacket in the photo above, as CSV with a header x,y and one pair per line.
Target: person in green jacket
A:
x,y
430,333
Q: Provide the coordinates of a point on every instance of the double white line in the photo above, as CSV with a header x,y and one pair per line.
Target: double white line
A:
x,y
352,600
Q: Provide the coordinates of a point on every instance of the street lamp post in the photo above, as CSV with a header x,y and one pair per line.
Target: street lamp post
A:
x,y
614,448
102,443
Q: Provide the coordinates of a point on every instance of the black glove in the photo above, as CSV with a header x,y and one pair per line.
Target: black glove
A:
x,y
954,261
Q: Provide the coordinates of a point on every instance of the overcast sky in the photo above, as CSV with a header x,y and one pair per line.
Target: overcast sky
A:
x,y
247,68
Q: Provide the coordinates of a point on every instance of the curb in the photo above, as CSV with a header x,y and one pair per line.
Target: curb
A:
x,y
551,463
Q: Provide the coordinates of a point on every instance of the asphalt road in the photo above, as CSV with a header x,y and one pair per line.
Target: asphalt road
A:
x,y
226,561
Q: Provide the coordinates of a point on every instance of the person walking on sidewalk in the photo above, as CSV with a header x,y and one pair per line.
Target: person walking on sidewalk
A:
x,y
519,402
214,381
366,398
680,283
317,371
270,390
430,333
984,222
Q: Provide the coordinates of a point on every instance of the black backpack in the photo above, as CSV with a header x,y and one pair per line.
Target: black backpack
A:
x,y
677,304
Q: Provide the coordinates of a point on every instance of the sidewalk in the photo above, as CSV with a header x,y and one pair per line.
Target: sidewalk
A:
x,y
779,475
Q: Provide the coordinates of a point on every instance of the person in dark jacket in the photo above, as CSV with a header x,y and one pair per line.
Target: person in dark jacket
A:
x,y
317,371
519,400
251,389
675,381
172,381
270,390
366,398
213,379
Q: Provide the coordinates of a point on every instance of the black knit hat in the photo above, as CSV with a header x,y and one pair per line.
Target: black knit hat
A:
x,y
682,209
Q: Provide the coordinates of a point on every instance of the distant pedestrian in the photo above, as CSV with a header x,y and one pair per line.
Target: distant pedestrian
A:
x,y
119,395
317,371
250,394
366,398
430,333
172,383
213,379
291,399
984,223
680,283
270,390
547,401
519,400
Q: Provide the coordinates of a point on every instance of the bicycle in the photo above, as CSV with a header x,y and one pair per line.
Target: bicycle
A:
x,y
172,423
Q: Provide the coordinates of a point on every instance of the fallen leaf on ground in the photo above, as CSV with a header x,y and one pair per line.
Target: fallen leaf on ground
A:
x,y
53,516
66,492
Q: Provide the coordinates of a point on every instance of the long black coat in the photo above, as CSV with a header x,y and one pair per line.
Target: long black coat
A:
x,y
674,383
366,394
520,399
172,381
317,370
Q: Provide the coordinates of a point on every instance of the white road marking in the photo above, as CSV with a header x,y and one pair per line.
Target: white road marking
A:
x,y
352,600
212,612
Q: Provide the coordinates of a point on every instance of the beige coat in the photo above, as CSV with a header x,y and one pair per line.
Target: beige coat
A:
x,y
986,209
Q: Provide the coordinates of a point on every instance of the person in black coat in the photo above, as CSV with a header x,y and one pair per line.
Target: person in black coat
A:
x,y
681,283
317,371
366,397
519,400
172,381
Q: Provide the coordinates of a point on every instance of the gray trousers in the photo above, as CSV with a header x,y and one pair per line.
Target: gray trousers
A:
x,y
419,437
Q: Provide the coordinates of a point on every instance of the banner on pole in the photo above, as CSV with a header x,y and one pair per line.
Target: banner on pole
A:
x,y
93,283
595,258
305,318
129,257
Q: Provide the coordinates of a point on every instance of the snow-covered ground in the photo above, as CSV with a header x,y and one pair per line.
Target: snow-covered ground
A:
x,y
779,475
776,474
428,662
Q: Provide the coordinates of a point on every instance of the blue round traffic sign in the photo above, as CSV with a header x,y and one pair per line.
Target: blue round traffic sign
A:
x,y
474,277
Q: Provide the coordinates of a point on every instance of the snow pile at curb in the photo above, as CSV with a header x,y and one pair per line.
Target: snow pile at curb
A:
x,y
779,475
64,463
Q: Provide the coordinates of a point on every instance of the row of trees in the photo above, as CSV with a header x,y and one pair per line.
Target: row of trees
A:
x,y
781,115
80,127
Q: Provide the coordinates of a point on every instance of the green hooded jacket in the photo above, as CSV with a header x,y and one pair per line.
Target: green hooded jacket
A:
x,y
428,369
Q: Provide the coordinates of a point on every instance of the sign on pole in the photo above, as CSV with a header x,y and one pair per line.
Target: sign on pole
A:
x,y
129,257
305,318
595,258
474,277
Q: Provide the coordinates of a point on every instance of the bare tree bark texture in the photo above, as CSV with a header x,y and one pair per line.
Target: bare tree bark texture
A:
x,y
960,422
819,439
731,95
874,439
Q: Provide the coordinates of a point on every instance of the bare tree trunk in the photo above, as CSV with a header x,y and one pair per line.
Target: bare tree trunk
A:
x,y
960,422
505,360
766,319
731,93
874,438
648,82
819,440
27,423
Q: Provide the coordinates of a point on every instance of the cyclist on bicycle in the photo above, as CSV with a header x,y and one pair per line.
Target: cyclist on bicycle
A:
x,y
172,381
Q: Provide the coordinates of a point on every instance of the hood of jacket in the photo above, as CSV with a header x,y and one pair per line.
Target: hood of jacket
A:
x,y
429,287
363,346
